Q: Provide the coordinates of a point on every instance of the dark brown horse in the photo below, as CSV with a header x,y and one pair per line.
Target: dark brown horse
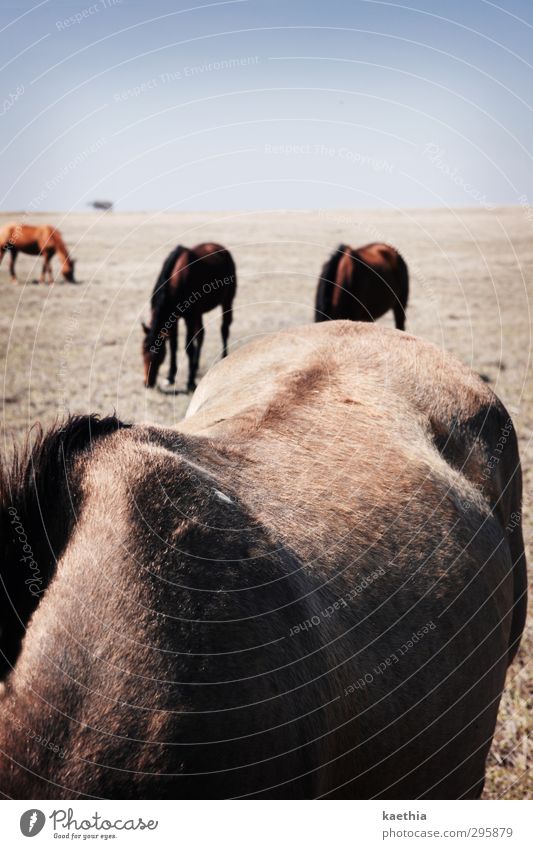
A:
x,y
42,241
362,284
312,587
192,282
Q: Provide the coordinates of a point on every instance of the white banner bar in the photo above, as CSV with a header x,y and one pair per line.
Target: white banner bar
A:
x,y
266,825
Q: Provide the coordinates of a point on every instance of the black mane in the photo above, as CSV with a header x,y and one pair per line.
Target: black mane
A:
x,y
159,294
38,505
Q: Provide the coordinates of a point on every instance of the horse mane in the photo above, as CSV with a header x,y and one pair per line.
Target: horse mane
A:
x,y
160,289
326,283
158,301
39,498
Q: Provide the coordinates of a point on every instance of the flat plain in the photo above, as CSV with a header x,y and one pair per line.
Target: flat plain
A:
x,y
76,348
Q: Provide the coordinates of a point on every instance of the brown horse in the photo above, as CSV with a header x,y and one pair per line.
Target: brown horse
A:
x,y
312,587
191,282
363,284
42,241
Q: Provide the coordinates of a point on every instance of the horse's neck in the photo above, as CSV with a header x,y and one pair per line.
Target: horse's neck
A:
x,y
164,310
61,249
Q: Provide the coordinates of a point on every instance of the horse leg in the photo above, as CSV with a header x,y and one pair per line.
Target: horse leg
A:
x,y
195,336
199,342
190,346
173,343
45,269
49,267
12,259
227,318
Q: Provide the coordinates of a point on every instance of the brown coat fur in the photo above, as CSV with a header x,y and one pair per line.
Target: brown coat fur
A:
x,y
227,605
42,241
192,281
362,284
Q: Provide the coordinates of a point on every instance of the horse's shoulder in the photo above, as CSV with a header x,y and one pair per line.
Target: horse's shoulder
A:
x,y
150,465
176,510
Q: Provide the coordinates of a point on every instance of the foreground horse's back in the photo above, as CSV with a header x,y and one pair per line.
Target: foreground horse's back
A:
x,y
313,587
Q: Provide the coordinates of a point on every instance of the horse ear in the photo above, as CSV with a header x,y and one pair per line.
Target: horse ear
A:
x,y
145,328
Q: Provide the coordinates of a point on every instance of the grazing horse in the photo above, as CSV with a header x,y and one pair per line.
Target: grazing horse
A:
x,y
192,281
312,587
363,284
42,241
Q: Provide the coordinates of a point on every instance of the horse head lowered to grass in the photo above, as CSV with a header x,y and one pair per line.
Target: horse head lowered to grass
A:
x,y
191,282
312,587
41,240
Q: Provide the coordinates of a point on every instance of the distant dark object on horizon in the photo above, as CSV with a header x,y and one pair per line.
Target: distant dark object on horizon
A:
x,y
106,205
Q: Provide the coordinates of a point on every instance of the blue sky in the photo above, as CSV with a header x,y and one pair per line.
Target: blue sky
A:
x,y
266,104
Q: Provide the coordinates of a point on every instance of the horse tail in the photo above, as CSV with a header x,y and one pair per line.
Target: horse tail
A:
x,y
326,282
161,284
39,501
403,277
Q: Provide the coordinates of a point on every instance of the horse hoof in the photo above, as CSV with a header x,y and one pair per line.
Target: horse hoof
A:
x,y
191,387
168,382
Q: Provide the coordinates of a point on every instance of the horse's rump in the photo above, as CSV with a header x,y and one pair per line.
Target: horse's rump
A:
x,y
306,589
211,276
362,284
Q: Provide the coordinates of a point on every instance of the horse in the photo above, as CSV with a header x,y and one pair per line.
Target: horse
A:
x,y
192,281
362,284
40,240
312,587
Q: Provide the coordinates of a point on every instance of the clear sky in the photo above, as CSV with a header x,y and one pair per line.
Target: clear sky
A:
x,y
253,104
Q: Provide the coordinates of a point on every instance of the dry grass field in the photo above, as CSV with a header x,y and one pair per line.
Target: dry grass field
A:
x,y
76,348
